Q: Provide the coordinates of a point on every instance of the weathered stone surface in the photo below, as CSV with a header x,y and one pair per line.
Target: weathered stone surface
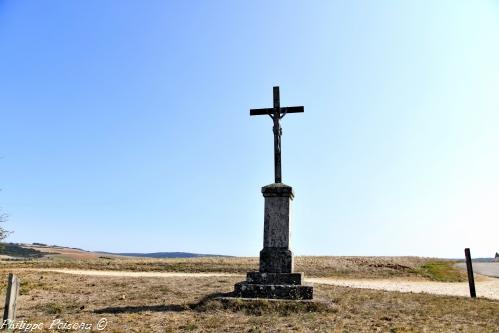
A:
x,y
277,218
276,260
276,291
274,278
278,190
276,256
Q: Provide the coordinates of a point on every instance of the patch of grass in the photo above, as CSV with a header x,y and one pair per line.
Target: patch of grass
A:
x,y
26,286
347,267
189,327
443,271
54,308
259,307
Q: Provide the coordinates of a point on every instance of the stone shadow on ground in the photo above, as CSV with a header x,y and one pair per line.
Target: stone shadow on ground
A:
x,y
199,306
144,308
227,302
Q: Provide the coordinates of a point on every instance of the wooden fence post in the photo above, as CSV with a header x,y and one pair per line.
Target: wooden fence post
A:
x,y
9,313
469,266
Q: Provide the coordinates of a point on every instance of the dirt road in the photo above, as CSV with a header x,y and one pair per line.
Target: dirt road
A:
x,y
484,268
487,287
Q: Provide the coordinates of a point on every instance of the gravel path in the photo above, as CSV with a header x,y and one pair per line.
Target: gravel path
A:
x,y
484,268
487,287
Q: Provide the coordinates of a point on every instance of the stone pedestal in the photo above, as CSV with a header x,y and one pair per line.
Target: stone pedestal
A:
x,y
276,277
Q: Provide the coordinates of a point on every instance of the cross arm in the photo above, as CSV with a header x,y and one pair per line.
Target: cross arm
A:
x,y
288,109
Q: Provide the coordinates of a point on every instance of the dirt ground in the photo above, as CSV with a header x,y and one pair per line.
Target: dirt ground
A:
x,y
485,286
351,267
173,304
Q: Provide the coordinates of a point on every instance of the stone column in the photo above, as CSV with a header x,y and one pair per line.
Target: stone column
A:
x,y
276,256
276,277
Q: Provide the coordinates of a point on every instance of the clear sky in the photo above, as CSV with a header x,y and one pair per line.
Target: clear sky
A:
x,y
125,124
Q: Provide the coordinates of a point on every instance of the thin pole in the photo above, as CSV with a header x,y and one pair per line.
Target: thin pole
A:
x,y
9,314
469,266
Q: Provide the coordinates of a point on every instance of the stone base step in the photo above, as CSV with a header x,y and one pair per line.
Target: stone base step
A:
x,y
273,291
274,278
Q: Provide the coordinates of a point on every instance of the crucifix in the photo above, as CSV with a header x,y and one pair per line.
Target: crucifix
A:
x,y
276,277
277,113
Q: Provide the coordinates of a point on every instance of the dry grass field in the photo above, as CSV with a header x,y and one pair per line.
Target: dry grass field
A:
x,y
352,267
185,304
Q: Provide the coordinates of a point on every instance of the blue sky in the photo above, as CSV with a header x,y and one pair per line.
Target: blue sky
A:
x,y
125,125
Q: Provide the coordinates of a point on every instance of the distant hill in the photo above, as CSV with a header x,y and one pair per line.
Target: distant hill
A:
x,y
17,250
476,259
482,259
39,250
168,255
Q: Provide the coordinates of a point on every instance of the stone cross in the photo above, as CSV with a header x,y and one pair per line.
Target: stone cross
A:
x,y
276,277
277,113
